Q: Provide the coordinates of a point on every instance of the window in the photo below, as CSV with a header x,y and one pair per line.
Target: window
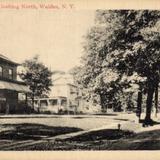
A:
x,y
1,71
43,103
64,102
53,102
10,74
36,102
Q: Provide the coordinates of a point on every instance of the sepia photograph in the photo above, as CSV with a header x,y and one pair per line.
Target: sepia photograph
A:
x,y
79,79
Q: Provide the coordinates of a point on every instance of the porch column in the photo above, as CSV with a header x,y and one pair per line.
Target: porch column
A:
x,y
7,107
7,104
68,104
26,100
59,103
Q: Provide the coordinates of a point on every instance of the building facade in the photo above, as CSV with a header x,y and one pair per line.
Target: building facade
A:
x,y
10,87
64,87
62,97
65,97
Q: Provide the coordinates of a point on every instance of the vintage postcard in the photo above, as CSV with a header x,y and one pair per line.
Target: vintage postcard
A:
x,y
79,79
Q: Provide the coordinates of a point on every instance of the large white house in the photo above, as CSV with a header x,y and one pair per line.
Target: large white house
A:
x,y
64,88
62,97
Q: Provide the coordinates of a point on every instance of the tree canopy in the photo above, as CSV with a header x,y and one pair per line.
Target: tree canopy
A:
x,y
37,76
121,55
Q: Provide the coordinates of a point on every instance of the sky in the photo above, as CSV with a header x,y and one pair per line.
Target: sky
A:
x,y
56,36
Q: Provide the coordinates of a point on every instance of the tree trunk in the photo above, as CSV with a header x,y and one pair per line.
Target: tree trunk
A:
x,y
26,103
150,93
33,101
139,105
156,100
102,101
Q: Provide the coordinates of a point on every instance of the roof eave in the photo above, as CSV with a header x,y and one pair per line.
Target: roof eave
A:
x,y
11,62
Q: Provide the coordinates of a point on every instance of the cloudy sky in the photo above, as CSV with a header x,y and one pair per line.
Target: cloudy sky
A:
x,y
55,35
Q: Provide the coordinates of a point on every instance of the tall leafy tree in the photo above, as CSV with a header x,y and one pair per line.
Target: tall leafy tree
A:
x,y
92,70
137,46
37,76
126,43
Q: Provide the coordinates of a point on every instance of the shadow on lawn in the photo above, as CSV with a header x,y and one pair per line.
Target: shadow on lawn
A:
x,y
146,145
148,140
148,123
31,131
108,134
104,140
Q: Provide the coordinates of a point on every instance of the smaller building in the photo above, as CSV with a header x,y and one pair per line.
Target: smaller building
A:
x,y
63,86
51,105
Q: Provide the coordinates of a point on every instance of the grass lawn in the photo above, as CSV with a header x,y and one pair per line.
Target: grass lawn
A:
x,y
103,140
27,131
84,122
18,133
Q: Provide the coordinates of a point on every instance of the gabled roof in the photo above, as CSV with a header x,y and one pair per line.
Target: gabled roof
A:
x,y
4,58
63,79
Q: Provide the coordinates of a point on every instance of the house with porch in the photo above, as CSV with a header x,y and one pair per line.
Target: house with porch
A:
x,y
66,91
62,98
10,87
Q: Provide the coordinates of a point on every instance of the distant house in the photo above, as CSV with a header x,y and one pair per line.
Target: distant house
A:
x,y
10,87
62,97
63,86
